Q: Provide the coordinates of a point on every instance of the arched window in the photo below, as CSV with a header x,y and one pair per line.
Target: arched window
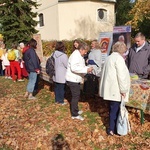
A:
x,y
41,20
102,14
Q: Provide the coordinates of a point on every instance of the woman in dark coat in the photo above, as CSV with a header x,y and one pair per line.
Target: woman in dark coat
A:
x,y
32,64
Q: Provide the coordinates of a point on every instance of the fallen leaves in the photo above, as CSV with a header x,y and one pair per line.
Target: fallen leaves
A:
x,y
41,124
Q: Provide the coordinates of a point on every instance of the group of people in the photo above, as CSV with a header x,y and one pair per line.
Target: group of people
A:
x,y
72,70
115,79
11,62
114,74
21,61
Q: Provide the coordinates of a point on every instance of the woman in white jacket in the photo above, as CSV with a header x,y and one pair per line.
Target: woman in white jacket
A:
x,y
76,69
115,82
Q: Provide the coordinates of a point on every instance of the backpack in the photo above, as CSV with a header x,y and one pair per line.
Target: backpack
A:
x,y
11,55
50,66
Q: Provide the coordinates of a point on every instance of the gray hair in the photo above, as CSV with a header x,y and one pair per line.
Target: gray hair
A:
x,y
119,47
141,35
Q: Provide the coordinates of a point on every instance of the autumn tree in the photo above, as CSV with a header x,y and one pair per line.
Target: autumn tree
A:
x,y
17,20
141,17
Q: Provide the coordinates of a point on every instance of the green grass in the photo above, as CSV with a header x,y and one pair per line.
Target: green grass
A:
x,y
146,135
5,148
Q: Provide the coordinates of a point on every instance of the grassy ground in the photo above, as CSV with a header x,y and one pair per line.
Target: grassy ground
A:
x,y
43,125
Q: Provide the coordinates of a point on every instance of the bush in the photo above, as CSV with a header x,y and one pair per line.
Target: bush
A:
x,y
49,46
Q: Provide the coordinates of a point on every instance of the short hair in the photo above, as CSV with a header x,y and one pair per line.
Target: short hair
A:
x,y
83,46
119,47
33,43
60,46
14,45
21,44
96,43
121,38
141,35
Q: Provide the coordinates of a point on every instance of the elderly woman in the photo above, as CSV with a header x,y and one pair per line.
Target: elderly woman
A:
x,y
76,70
115,83
95,58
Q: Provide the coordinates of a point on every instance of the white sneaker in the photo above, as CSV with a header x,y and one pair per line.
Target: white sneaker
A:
x,y
20,80
32,98
78,117
63,103
6,77
9,77
80,112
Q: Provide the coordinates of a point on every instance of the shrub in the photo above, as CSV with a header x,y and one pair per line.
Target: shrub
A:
x,y
49,46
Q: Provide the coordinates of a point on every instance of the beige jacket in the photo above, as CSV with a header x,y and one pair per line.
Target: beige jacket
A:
x,y
115,78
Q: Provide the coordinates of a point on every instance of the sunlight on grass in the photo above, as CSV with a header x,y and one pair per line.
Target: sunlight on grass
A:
x,y
5,148
146,135
79,133
91,117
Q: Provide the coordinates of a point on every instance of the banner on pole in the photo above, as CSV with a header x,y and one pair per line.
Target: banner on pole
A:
x,y
105,42
122,33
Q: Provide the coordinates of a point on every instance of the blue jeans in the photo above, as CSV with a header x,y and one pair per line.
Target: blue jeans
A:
x,y
32,81
113,115
59,92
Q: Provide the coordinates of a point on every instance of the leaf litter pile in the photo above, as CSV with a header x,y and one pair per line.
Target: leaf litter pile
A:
x,y
43,125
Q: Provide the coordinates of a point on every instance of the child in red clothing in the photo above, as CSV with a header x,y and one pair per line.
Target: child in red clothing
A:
x,y
15,65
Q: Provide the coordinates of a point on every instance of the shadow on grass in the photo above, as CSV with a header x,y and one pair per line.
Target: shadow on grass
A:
x,y
59,143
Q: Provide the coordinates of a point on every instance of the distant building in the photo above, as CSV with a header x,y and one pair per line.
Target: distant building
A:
x,y
70,19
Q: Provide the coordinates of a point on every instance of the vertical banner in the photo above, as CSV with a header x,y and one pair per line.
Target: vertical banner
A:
x,y
122,33
39,49
105,42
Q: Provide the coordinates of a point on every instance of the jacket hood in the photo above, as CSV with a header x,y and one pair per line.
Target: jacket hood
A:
x,y
25,49
58,53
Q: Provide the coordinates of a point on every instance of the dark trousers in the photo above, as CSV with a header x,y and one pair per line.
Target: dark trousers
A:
x,y
75,92
59,90
1,69
113,114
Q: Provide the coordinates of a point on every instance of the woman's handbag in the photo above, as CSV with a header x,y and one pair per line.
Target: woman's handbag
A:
x,y
91,84
123,125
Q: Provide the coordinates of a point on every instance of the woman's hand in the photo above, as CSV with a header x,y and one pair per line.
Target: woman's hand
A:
x,y
87,61
123,95
89,70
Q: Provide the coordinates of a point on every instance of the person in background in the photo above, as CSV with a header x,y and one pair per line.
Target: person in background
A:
x,y
15,64
95,58
6,64
61,60
76,69
138,59
32,64
1,53
115,83
23,48
76,44
121,38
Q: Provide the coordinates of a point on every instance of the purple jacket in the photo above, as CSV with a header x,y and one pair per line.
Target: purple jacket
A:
x,y
139,62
